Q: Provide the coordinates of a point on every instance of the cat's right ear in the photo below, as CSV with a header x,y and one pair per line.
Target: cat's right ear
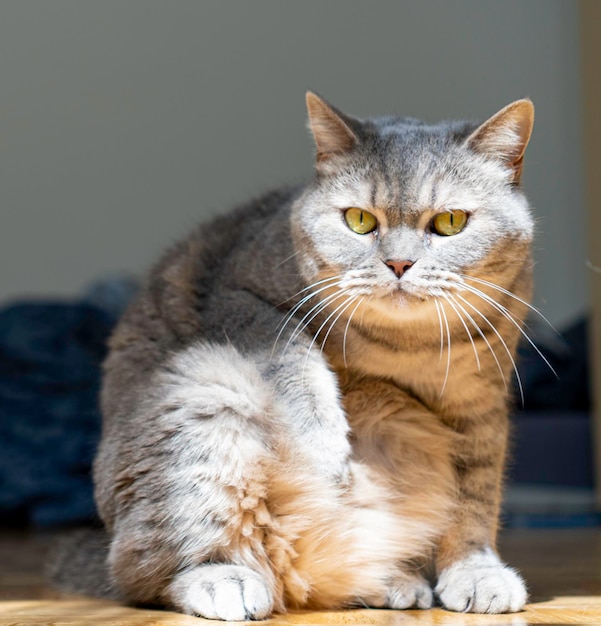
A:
x,y
331,129
504,136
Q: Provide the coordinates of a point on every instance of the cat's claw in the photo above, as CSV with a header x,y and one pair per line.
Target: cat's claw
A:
x,y
481,583
226,592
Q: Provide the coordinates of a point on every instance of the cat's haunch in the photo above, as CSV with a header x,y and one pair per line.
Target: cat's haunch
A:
x,y
306,406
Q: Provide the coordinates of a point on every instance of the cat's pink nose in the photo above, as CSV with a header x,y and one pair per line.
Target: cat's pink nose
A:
x,y
399,267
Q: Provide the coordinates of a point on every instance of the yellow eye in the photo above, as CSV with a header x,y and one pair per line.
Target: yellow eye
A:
x,y
449,223
360,221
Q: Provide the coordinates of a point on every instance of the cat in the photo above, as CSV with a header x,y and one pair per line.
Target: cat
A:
x,y
306,406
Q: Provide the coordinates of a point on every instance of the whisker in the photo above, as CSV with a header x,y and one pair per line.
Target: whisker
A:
x,y
311,295
323,343
365,308
484,296
446,322
515,369
511,295
287,259
307,319
323,325
469,335
484,338
288,317
309,287
311,314
347,327
591,266
441,337
509,316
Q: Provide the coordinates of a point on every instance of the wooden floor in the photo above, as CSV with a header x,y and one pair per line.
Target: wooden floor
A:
x,y
562,567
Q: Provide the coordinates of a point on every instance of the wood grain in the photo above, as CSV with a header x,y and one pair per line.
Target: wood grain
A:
x,y
562,567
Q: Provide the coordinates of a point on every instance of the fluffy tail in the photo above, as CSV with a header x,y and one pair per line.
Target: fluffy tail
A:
x,y
78,564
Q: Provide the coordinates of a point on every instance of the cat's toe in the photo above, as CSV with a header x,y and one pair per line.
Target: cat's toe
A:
x,y
226,592
414,592
481,583
407,591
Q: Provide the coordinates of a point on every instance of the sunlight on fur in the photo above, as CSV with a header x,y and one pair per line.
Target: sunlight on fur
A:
x,y
306,406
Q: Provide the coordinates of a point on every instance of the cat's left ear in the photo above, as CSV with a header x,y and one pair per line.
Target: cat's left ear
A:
x,y
505,135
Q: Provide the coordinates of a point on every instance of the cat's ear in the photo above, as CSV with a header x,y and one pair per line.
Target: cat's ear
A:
x,y
505,135
331,129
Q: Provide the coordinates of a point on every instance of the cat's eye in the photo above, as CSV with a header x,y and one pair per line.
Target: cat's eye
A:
x,y
449,223
360,221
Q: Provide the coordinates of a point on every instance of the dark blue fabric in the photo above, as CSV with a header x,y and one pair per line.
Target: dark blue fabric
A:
x,y
50,356
570,390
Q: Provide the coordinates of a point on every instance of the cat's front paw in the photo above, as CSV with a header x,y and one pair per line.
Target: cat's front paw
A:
x,y
410,592
227,592
481,583
405,591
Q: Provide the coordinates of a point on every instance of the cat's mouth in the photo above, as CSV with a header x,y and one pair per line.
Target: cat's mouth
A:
x,y
420,288
400,304
402,294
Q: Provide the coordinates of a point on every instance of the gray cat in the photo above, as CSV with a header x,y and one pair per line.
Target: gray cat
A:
x,y
306,405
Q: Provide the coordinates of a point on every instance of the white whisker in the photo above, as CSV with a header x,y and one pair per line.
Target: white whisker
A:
x,y
446,322
324,323
515,369
352,300
484,338
311,314
287,259
593,267
441,336
510,317
511,295
365,308
347,327
469,335
290,315
310,295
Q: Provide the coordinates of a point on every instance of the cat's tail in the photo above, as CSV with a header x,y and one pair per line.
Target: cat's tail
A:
x,y
78,564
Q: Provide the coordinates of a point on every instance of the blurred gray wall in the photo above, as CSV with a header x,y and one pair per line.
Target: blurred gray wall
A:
x,y
122,123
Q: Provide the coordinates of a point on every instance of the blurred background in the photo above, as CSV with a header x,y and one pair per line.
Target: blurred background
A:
x,y
122,124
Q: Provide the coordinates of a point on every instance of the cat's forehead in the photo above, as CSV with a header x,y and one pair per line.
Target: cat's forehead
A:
x,y
405,166
400,135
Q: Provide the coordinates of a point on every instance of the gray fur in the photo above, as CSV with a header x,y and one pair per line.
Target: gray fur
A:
x,y
237,436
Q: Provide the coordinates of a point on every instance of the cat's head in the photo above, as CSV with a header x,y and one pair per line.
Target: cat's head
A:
x,y
401,211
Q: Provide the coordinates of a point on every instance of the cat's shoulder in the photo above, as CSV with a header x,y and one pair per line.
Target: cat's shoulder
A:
x,y
213,237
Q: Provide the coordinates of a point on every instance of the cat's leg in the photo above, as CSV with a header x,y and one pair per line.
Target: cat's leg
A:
x,y
191,474
193,525
307,391
471,576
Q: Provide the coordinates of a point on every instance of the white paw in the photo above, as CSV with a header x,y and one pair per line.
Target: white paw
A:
x,y
407,593
227,592
481,583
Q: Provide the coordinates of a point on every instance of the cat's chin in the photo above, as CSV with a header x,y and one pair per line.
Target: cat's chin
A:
x,y
403,299
400,306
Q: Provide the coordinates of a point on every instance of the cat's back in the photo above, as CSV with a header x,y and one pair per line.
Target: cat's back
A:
x,y
172,307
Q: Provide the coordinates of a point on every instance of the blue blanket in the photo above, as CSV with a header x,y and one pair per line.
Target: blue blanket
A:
x,y
50,358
